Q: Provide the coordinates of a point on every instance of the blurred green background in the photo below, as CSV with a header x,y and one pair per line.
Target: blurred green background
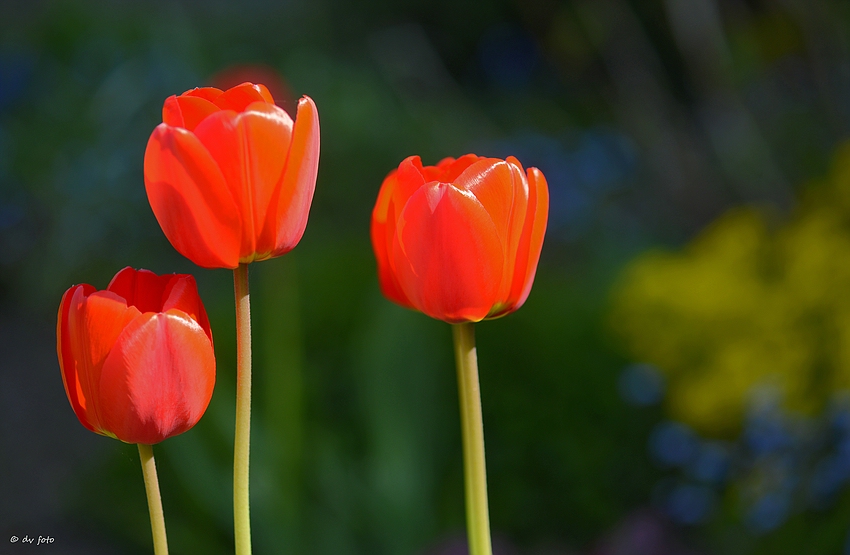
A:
x,y
675,384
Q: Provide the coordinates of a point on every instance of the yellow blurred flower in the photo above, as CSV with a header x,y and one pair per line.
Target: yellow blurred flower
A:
x,y
747,304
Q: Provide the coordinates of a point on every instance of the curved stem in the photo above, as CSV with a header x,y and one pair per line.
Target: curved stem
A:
x,y
472,432
242,440
160,543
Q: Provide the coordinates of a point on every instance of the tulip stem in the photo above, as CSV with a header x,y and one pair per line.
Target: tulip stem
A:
x,y
472,434
160,543
242,440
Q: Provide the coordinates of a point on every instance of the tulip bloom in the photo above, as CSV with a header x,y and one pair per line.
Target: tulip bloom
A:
x,y
137,359
229,175
460,241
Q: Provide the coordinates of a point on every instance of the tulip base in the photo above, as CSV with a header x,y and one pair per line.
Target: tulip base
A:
x,y
472,433
242,439
160,543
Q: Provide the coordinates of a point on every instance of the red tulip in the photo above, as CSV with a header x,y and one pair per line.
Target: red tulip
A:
x,y
230,176
460,241
137,359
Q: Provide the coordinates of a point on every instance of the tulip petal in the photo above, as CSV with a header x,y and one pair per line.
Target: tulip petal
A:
x,y
158,379
448,169
149,292
67,363
94,323
492,182
207,93
182,294
447,254
382,206
530,242
265,93
291,205
410,178
140,288
191,200
392,197
382,231
250,148
186,111
501,188
238,98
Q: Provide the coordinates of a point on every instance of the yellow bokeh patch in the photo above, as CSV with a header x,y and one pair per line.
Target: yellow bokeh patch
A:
x,y
747,304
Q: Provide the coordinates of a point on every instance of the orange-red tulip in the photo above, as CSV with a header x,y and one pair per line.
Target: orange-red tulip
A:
x,y
460,241
230,176
137,359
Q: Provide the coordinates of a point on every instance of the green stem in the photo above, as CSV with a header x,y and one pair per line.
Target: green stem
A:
x,y
472,432
242,440
160,543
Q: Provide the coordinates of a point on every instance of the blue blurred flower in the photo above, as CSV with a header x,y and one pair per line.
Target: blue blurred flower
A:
x,y
828,477
672,443
641,384
16,69
769,512
690,504
11,214
508,56
766,432
582,168
711,464
841,421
